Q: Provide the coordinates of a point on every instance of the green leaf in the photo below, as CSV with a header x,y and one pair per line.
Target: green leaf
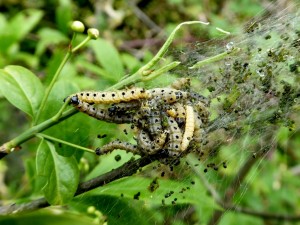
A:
x,y
24,22
49,37
109,58
18,27
193,194
60,175
118,210
47,217
96,70
64,15
21,88
66,130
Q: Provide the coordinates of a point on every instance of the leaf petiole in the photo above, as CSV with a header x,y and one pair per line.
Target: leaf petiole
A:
x,y
47,137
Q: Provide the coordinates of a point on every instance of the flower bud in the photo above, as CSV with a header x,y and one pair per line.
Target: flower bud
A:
x,y
93,33
77,26
91,209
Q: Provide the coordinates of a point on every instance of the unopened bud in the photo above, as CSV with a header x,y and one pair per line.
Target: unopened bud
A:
x,y
93,33
77,26
91,209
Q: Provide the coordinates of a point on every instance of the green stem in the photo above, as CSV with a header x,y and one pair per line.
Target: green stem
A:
x,y
80,45
165,47
214,58
64,142
57,73
31,132
144,70
45,98
161,71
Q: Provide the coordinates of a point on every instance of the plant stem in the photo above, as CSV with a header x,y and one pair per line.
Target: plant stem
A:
x,y
214,58
86,40
160,71
31,132
64,142
57,73
144,70
165,47
45,98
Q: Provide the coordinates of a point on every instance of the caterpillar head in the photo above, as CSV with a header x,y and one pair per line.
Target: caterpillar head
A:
x,y
74,100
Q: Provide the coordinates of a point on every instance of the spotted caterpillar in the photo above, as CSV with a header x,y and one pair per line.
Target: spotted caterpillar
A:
x,y
167,95
117,145
124,107
151,147
107,97
101,113
174,137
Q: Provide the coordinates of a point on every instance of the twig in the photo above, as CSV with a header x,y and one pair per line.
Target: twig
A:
x,y
125,170
6,148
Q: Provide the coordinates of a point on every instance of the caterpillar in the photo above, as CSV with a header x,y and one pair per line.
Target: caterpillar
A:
x,y
151,147
107,97
189,128
155,122
117,144
202,111
101,113
195,97
198,131
124,106
174,137
181,84
152,113
167,95
176,111
198,134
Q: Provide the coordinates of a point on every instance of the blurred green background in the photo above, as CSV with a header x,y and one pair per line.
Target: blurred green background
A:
x,y
35,34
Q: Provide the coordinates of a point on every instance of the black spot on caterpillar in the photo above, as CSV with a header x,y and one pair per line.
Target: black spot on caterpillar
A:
x,y
117,145
101,113
107,97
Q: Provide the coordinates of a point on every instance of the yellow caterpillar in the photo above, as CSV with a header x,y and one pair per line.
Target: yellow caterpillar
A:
x,y
189,128
107,97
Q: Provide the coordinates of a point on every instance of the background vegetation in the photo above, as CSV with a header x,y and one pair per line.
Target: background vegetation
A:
x,y
260,188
